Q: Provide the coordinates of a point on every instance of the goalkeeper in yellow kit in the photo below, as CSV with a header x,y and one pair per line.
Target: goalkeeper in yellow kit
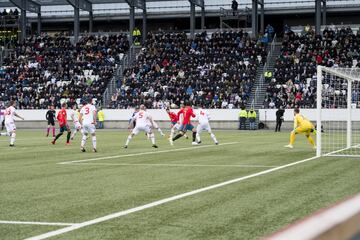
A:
x,y
301,125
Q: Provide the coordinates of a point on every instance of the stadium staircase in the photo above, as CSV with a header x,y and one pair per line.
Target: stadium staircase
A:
x,y
258,92
124,63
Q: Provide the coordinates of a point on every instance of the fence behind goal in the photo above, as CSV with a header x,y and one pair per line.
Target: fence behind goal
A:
x,y
338,134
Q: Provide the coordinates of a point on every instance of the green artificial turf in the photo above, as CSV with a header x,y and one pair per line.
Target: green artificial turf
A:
x,y
33,187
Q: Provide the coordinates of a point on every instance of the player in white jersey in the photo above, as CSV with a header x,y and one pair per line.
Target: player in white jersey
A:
x,y
203,117
144,123
10,113
75,114
88,123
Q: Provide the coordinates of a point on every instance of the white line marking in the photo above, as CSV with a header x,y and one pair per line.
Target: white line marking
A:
x,y
160,202
37,223
174,165
145,153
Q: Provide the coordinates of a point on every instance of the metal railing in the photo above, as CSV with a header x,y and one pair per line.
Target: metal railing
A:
x,y
261,82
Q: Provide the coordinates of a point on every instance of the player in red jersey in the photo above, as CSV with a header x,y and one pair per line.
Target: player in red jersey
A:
x,y
62,119
186,125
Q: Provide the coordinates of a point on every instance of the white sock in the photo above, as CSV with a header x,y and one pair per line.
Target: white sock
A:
x,y
128,140
172,133
152,137
161,132
94,141
83,141
74,133
12,139
213,137
198,137
4,134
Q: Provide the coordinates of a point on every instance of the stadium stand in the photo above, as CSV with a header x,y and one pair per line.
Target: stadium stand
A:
x,y
216,71
294,81
49,70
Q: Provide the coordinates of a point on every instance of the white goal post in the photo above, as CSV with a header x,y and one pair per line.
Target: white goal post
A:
x,y
338,128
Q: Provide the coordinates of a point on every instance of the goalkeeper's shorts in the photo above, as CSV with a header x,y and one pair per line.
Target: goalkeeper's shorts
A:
x,y
306,130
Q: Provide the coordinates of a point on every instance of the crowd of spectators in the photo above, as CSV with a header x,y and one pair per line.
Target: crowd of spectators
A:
x,y
48,70
294,79
214,71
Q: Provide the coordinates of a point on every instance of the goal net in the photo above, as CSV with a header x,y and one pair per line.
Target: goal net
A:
x,y
338,112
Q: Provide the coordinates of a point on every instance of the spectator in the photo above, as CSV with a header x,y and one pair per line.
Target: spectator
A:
x,y
217,71
270,31
234,7
49,70
294,79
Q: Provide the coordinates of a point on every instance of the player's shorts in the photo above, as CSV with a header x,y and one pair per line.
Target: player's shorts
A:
x,y
64,128
88,128
77,125
10,127
307,130
176,126
138,129
203,127
51,122
186,127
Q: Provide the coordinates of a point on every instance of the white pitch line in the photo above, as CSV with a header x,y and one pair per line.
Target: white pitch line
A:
x,y
37,223
160,202
145,153
175,165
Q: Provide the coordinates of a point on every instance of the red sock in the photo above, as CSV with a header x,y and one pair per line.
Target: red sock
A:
x,y
53,131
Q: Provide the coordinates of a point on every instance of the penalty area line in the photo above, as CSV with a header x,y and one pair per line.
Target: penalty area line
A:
x,y
162,201
145,153
175,165
37,223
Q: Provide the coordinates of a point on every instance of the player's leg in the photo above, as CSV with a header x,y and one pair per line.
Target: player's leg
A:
x,y
73,134
8,131
293,136
212,135
181,133
198,131
152,136
172,130
190,127
84,138
134,132
76,130
93,137
48,129
310,139
11,129
68,135
53,128
62,129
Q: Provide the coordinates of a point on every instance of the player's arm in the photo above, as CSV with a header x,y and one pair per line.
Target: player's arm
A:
x,y
295,122
132,120
47,115
94,117
179,113
81,118
18,116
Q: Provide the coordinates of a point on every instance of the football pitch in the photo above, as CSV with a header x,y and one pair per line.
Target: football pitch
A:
x,y
245,188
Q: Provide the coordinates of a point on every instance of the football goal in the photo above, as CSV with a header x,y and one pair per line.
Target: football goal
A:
x,y
338,112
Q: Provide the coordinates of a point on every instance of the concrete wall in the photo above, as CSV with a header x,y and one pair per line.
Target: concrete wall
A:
x,y
220,118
